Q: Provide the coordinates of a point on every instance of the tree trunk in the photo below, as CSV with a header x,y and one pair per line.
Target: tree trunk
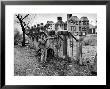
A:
x,y
23,43
23,29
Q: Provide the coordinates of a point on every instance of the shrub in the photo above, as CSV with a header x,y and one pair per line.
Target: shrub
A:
x,y
17,37
90,40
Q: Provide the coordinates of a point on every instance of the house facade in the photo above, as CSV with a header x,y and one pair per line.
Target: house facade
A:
x,y
83,26
73,24
78,27
51,26
92,29
59,25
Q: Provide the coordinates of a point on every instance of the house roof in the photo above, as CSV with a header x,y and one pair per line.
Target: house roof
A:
x,y
83,18
50,22
74,18
91,26
59,22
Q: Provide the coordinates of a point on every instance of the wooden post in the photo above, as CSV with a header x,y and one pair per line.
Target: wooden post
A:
x,y
72,47
45,56
79,51
65,46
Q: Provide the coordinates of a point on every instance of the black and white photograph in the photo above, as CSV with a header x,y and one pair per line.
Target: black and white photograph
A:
x,y
55,44
60,44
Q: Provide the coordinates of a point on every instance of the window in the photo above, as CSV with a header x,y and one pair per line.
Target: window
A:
x,y
80,33
84,22
84,33
79,22
87,22
84,29
75,33
76,22
71,21
73,28
79,28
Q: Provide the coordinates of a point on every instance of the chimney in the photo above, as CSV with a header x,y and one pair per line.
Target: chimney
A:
x,y
59,18
68,16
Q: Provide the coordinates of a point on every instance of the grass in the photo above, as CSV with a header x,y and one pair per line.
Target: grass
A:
x,y
27,63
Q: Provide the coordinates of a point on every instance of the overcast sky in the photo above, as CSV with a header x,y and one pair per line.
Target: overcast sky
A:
x,y
53,17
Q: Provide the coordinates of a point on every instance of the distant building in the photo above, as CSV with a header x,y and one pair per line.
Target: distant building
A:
x,y
78,27
59,26
51,26
38,25
73,24
92,29
41,26
65,25
96,29
83,26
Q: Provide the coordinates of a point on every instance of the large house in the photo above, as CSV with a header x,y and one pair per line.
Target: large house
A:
x,y
73,24
92,29
84,26
51,26
78,27
59,25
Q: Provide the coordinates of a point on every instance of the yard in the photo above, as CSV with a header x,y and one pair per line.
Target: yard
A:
x,y
26,63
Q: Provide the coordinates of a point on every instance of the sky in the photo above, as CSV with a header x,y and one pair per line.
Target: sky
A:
x,y
43,18
53,17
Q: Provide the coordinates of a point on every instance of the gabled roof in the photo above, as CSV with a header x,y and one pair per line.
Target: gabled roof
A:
x,y
49,22
83,18
74,18
91,26
59,22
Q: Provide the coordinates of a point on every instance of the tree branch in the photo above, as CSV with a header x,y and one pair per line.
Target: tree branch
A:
x,y
25,17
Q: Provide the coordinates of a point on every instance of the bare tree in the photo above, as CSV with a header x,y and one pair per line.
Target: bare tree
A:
x,y
22,24
25,21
